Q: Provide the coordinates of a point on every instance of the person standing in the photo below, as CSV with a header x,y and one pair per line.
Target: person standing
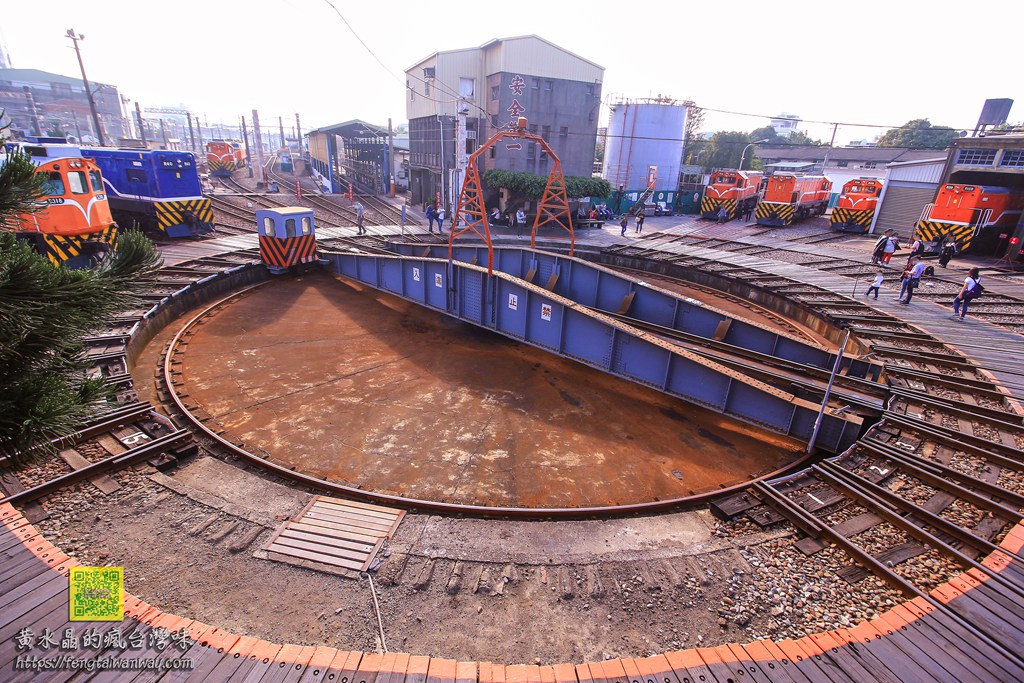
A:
x,y
911,281
970,290
639,222
520,222
360,230
877,284
430,217
624,223
723,215
440,220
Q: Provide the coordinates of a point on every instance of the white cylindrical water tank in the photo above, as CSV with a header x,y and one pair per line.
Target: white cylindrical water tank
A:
x,y
641,135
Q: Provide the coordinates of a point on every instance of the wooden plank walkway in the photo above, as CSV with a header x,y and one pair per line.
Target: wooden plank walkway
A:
x,y
333,534
915,641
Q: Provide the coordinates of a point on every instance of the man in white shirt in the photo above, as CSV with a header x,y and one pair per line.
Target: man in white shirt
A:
x,y
911,281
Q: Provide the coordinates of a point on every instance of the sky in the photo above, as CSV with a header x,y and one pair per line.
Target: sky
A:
x,y
336,62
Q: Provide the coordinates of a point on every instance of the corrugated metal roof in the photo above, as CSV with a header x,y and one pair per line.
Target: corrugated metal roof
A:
x,y
876,154
37,76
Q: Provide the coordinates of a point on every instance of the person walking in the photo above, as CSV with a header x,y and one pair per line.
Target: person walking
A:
x,y
879,248
639,223
723,215
360,230
440,220
624,223
431,215
891,245
877,284
911,281
949,250
520,222
971,290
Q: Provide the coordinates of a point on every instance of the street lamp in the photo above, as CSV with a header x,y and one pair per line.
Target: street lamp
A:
x,y
75,37
744,154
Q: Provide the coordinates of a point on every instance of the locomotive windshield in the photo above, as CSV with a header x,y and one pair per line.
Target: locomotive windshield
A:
x,y
97,181
54,184
76,179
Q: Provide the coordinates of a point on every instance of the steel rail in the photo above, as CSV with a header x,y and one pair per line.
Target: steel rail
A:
x,y
114,462
993,451
998,415
880,570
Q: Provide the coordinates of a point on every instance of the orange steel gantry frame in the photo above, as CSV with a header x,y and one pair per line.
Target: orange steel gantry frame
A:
x,y
553,207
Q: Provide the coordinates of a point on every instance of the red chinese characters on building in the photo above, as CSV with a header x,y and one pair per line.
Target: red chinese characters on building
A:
x,y
517,85
515,109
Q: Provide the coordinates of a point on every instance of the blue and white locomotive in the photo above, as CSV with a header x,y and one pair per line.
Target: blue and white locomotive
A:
x,y
158,190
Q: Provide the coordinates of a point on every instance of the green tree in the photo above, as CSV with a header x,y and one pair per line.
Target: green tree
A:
x,y
45,391
724,148
523,187
919,134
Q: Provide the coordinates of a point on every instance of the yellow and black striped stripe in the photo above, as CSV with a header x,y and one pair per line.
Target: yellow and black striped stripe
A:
x,y
851,219
929,231
221,167
709,207
67,249
172,214
283,252
771,213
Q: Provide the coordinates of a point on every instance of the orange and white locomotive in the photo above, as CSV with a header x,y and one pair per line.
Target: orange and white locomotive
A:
x,y
856,206
75,227
790,198
973,215
224,157
735,191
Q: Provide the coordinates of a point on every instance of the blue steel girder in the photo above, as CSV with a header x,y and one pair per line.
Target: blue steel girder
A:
x,y
527,312
598,287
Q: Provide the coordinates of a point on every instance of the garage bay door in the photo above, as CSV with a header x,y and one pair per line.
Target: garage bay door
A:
x,y
901,208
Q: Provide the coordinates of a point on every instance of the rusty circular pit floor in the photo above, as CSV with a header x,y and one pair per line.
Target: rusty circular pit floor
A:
x,y
349,384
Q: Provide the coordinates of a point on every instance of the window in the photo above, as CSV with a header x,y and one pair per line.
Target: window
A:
x,y
535,84
54,185
563,131
870,164
976,157
268,226
842,164
97,181
547,85
412,92
491,152
60,89
590,91
429,72
467,88
546,134
1012,158
494,121
494,92
135,175
426,88
307,225
77,182
289,227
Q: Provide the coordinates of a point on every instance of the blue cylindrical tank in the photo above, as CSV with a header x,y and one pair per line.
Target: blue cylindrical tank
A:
x,y
641,135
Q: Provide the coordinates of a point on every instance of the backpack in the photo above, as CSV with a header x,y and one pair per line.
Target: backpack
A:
x,y
975,291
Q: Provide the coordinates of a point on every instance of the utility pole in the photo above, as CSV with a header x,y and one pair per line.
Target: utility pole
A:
x,y
88,90
391,160
825,160
258,140
142,128
298,132
37,124
280,124
163,131
245,139
191,134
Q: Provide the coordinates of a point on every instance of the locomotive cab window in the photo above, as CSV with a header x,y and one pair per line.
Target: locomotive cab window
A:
x,y
268,226
135,175
289,227
307,225
77,182
54,184
97,181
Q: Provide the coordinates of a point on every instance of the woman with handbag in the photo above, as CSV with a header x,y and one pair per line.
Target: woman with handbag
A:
x,y
972,289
